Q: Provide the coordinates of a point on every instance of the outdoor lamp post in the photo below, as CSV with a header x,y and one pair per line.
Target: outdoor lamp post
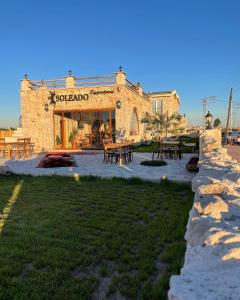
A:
x,y
208,120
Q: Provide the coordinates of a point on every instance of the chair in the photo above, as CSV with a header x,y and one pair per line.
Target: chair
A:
x,y
24,147
130,152
3,148
109,154
125,155
15,150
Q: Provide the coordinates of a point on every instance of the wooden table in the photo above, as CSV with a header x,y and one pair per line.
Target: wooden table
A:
x,y
171,144
119,146
191,145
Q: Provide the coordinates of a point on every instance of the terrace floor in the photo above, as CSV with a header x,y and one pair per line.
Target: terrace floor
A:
x,y
93,165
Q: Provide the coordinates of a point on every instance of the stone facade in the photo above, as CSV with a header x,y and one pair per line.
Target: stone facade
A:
x,y
165,102
38,122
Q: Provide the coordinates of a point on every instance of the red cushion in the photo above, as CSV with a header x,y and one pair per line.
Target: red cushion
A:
x,y
64,154
56,161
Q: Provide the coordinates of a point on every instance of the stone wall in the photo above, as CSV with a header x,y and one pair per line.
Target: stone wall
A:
x,y
212,260
209,140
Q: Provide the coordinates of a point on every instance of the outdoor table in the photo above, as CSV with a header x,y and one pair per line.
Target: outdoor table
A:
x,y
119,146
191,145
174,145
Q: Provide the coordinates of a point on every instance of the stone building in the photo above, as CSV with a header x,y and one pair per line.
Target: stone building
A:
x,y
165,102
80,112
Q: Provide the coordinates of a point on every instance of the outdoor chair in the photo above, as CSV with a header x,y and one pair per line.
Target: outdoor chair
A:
x,y
109,154
125,155
156,149
130,153
15,151
3,148
24,147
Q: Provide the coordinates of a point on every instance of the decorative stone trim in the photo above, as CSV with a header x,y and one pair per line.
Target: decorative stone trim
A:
x,y
212,259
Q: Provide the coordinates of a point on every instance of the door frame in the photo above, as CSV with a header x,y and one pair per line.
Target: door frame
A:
x,y
110,110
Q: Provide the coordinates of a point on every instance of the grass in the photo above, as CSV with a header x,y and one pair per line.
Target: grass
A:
x,y
153,163
150,147
67,239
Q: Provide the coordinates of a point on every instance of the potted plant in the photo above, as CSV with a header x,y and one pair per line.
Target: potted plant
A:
x,y
58,141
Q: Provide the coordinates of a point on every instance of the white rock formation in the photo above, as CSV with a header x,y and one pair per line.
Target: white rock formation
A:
x,y
212,260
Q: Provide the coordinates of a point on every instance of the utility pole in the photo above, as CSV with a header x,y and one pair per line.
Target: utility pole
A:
x,y
235,115
229,116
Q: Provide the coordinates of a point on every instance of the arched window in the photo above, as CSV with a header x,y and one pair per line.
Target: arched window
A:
x,y
134,124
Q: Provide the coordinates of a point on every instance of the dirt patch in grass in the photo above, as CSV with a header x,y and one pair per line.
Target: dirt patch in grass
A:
x,y
92,239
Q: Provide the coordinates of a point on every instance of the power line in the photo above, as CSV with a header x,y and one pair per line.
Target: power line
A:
x,y
205,102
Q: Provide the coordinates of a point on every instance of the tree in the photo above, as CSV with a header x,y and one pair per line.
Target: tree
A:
x,y
216,122
162,125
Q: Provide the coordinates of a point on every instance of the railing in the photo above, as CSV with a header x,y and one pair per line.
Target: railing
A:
x,y
97,80
131,85
78,82
55,83
134,88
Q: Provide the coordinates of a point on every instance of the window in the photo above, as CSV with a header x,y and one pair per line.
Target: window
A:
x,y
134,125
157,106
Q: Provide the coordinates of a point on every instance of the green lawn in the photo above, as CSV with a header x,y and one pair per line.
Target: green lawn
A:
x,y
67,239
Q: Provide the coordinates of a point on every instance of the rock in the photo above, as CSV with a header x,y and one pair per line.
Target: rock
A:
x,y
212,206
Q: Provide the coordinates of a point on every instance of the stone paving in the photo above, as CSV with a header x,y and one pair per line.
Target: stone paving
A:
x,y
93,165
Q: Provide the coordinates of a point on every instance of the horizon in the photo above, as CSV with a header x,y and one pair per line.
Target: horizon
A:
x,y
188,47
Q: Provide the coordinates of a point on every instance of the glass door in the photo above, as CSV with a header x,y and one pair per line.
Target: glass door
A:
x,y
85,129
58,132
105,129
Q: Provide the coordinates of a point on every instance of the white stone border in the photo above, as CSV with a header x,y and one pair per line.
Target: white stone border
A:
x,y
212,260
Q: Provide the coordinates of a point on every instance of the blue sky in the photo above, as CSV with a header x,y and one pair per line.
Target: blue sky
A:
x,y
191,46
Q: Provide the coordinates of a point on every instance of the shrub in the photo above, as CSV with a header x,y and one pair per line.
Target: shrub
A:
x,y
153,163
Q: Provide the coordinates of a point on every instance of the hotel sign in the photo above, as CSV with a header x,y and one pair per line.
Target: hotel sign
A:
x,y
75,97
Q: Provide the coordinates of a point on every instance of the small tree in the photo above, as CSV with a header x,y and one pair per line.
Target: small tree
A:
x,y
216,122
162,125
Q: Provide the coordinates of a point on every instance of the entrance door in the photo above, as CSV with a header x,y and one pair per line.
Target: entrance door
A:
x,y
83,129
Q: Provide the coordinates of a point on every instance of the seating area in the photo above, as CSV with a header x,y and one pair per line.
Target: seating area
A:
x,y
118,153
20,149
171,148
